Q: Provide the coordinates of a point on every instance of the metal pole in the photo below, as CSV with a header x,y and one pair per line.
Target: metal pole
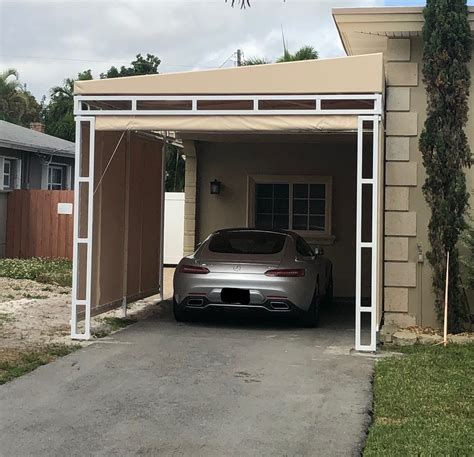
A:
x,y
446,290
239,57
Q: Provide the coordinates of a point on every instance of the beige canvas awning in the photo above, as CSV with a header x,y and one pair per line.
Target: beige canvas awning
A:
x,y
343,75
228,124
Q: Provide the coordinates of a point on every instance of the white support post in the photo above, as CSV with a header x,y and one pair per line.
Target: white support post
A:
x,y
373,244
89,180
162,239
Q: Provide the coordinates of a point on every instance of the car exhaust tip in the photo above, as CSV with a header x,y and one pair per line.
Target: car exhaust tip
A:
x,y
279,305
197,302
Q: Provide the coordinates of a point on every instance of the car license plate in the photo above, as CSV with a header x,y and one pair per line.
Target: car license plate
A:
x,y
241,296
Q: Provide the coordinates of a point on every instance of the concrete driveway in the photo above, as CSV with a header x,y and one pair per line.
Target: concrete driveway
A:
x,y
226,386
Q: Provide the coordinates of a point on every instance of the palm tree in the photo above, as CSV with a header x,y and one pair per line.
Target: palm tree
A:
x,y
13,101
304,53
255,61
59,113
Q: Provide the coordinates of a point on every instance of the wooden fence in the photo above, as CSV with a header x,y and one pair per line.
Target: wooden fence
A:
x,y
34,227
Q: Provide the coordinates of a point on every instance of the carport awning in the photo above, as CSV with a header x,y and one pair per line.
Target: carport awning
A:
x,y
229,124
342,75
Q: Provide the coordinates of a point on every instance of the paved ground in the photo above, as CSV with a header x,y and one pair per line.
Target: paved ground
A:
x,y
221,387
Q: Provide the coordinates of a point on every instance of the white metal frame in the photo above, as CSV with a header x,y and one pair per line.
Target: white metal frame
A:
x,y
134,99
89,180
373,244
373,116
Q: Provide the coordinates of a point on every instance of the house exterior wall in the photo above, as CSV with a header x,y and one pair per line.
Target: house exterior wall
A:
x,y
408,296
34,171
233,163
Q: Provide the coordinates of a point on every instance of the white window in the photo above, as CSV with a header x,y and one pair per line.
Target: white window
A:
x,y
7,174
56,177
301,204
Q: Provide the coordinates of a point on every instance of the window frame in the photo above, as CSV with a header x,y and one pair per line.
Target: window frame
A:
x,y
54,166
8,161
290,180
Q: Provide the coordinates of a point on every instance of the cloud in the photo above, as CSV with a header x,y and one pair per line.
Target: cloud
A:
x,y
39,36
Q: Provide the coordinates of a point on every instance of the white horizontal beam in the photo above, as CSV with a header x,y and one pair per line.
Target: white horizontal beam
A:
x,y
254,100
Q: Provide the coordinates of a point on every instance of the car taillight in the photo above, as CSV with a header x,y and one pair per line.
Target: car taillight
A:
x,y
287,273
194,269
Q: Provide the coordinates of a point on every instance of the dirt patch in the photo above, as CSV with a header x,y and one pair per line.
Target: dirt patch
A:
x,y
15,289
34,314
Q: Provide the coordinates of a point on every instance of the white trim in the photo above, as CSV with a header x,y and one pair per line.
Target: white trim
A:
x,y
14,172
162,235
373,115
62,168
88,240
373,244
254,99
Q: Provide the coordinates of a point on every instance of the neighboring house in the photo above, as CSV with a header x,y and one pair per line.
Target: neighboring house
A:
x,y
328,148
30,159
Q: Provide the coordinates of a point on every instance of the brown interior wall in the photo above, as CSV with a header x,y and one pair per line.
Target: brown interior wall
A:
x,y
126,251
145,214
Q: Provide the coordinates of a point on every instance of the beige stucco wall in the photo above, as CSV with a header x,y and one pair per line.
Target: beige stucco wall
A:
x,y
232,163
409,300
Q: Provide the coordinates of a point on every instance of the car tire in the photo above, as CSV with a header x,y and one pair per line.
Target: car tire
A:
x,y
310,318
180,313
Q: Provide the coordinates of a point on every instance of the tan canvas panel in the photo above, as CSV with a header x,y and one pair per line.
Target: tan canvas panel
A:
x,y
127,242
214,124
347,75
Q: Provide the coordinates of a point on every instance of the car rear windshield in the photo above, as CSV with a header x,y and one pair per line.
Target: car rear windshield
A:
x,y
243,242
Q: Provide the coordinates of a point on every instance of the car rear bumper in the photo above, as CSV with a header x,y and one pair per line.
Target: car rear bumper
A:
x,y
265,292
271,305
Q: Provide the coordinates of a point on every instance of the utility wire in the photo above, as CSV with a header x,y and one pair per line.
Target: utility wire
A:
x,y
226,60
99,61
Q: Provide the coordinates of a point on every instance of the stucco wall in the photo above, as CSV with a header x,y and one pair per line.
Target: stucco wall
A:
x,y
34,170
232,163
411,299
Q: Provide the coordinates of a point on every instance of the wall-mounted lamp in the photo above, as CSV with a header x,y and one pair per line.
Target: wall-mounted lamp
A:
x,y
215,187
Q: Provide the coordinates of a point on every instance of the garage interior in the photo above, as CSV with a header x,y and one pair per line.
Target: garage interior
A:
x,y
118,243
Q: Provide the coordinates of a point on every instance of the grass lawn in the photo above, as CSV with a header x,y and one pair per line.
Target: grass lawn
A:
x,y
424,403
15,363
49,271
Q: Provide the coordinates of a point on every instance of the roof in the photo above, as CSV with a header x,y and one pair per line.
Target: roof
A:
x,y
323,76
17,137
365,30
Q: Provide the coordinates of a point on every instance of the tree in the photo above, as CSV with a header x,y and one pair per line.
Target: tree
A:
x,y
443,143
140,66
304,53
468,261
174,179
255,61
58,114
17,105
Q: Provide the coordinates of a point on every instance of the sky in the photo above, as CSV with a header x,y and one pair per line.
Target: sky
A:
x,y
50,40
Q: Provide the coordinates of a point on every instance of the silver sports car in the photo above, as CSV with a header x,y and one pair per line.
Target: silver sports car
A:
x,y
276,271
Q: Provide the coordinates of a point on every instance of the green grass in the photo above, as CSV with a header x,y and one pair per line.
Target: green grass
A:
x,y
424,403
14,363
116,323
49,271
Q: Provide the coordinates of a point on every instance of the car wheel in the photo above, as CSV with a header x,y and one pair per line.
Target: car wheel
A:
x,y
310,318
181,314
